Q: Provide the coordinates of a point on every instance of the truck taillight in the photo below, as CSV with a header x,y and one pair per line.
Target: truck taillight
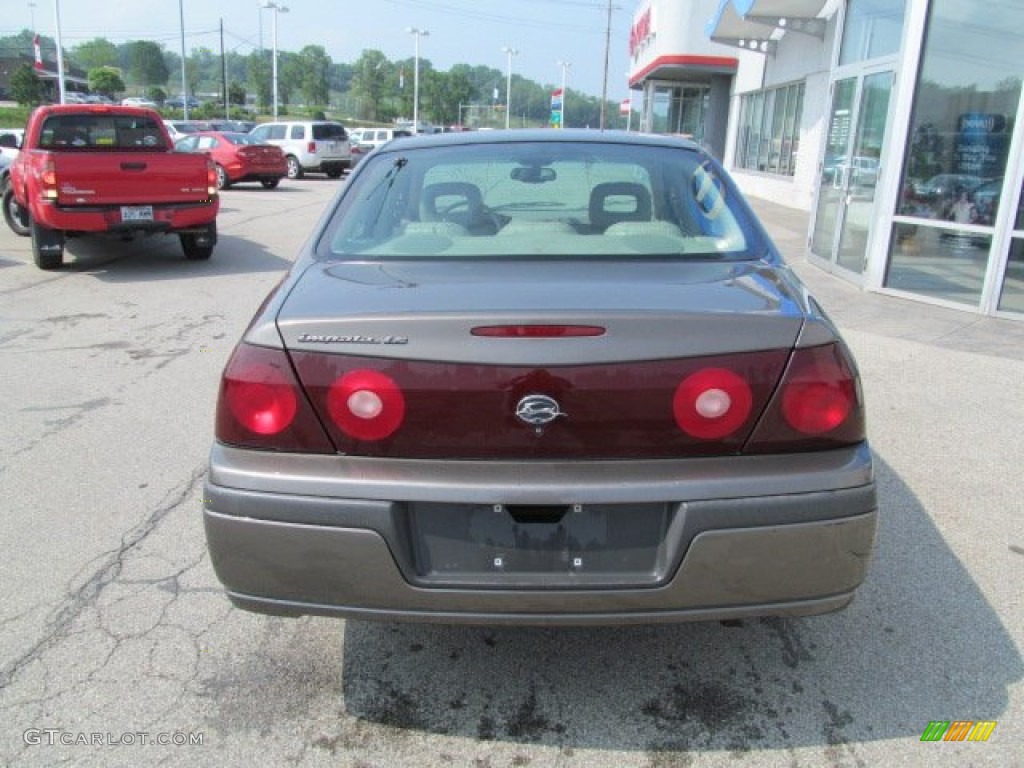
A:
x,y
311,148
48,180
211,178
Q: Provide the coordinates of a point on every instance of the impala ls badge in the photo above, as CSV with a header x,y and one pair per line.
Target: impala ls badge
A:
x,y
538,410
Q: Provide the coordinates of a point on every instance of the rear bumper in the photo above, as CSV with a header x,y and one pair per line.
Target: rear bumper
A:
x,y
107,218
326,166
727,554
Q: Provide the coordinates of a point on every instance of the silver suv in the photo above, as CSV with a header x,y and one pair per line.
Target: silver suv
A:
x,y
320,146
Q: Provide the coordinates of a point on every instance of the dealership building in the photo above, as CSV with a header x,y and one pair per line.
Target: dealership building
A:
x,y
896,124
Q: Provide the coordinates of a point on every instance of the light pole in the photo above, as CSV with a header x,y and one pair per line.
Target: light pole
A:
x,y
184,86
276,8
416,78
32,14
565,66
508,84
61,85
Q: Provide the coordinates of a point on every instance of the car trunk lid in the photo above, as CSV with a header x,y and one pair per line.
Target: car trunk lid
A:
x,y
507,360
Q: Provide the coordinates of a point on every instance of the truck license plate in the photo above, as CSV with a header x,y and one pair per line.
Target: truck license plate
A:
x,y
136,213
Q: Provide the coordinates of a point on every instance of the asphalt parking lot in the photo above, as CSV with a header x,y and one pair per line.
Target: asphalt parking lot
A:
x,y
116,635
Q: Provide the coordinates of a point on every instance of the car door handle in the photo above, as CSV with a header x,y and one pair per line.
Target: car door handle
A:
x,y
133,166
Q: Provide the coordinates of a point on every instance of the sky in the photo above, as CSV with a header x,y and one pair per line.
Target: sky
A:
x,y
474,32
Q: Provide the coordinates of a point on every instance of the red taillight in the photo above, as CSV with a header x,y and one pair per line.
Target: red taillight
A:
x,y
366,405
537,331
817,405
311,148
48,180
211,178
712,403
262,406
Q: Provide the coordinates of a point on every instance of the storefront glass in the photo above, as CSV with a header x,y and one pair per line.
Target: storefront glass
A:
x,y
1012,296
680,109
769,130
961,125
661,108
872,28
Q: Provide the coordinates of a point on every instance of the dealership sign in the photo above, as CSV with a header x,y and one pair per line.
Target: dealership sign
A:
x,y
641,31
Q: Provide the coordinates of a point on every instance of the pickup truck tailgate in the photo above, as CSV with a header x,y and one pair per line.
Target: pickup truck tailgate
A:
x,y
124,178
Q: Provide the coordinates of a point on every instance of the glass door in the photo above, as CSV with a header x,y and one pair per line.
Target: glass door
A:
x,y
850,171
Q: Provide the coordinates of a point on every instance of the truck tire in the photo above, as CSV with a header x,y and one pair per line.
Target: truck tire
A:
x,y
15,215
47,246
199,246
270,183
294,168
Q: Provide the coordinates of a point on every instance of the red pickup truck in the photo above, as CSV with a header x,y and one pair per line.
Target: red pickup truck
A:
x,y
87,168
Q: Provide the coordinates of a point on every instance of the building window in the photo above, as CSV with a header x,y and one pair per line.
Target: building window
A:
x,y
872,28
965,105
769,134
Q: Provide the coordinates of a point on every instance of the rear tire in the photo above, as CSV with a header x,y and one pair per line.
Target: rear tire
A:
x,y
16,216
223,182
199,246
294,168
335,173
269,183
47,246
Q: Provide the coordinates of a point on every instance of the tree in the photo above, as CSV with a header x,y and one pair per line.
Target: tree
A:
x,y
106,80
26,87
456,89
339,76
96,53
236,94
259,76
145,63
312,65
369,79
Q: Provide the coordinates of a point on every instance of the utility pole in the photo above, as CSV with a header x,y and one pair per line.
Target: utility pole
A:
x,y
607,50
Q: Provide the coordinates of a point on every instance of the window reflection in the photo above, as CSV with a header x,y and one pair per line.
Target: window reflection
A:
x,y
961,125
963,110
1012,298
938,263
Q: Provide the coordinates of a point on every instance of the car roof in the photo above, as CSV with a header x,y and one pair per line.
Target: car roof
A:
x,y
302,122
543,135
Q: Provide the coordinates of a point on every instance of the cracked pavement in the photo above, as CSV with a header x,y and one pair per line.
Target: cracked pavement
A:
x,y
115,630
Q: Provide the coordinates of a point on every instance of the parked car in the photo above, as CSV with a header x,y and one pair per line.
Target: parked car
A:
x,y
238,156
320,146
862,171
365,140
180,128
178,102
88,169
135,101
10,141
943,187
540,377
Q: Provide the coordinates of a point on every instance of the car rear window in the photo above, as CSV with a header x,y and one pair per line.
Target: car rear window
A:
x,y
113,132
329,132
541,200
